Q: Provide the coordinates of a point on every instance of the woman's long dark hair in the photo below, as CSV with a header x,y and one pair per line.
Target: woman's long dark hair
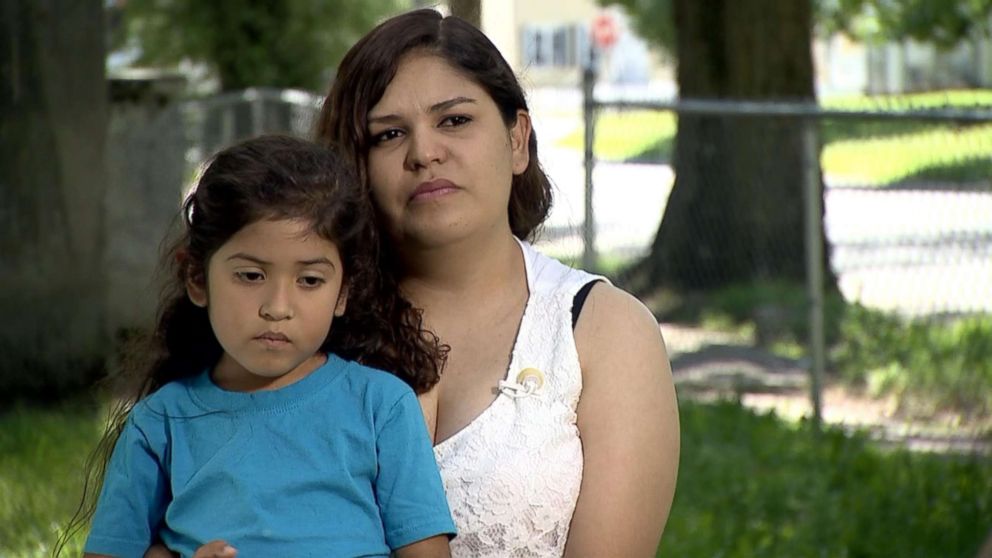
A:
x,y
271,177
370,65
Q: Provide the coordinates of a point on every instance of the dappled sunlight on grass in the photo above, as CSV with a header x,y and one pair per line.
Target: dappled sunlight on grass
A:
x,y
625,135
960,98
885,160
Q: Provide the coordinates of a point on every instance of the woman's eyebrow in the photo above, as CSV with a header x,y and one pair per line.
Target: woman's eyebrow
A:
x,y
436,107
445,105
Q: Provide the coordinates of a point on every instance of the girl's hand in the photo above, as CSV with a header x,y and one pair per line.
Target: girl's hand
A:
x,y
160,551
216,549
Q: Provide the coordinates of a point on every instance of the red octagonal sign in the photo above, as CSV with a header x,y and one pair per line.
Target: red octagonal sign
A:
x,y
604,30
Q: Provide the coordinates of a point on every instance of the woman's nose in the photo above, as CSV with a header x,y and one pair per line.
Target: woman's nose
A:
x,y
424,149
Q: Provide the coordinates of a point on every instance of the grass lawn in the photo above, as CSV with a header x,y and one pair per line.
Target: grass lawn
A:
x,y
42,451
753,485
750,485
868,153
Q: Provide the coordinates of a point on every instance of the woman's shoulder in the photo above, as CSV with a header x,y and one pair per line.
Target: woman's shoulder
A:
x,y
549,273
613,321
613,311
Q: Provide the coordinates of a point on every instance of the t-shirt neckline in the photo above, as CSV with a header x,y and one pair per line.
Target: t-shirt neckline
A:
x,y
215,397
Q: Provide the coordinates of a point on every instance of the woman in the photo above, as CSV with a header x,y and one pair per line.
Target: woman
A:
x,y
556,432
555,419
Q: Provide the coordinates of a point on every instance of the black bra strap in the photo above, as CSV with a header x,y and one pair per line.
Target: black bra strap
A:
x,y
580,300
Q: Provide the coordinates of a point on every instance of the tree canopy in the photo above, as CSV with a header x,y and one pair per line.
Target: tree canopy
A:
x,y
290,43
943,22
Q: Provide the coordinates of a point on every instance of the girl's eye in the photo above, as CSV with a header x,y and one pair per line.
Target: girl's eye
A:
x,y
455,121
250,276
383,137
311,282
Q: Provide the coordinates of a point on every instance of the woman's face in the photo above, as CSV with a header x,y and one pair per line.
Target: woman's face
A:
x,y
442,159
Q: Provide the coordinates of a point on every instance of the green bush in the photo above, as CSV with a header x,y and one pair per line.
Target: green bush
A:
x,y
930,364
938,364
776,311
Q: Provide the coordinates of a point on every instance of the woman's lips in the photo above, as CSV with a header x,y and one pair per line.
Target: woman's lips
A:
x,y
433,189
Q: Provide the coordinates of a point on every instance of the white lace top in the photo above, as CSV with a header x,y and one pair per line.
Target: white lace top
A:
x,y
512,475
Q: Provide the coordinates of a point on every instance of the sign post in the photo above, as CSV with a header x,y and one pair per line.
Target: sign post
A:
x,y
603,31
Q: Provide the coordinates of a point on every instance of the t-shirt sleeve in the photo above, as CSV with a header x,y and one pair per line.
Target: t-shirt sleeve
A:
x,y
133,499
408,486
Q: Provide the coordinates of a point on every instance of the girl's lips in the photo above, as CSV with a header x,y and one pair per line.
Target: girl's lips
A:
x,y
273,336
272,339
432,189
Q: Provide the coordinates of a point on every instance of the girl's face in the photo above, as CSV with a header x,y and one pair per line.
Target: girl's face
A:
x,y
442,159
271,292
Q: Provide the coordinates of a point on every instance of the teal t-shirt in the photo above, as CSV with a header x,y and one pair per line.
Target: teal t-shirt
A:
x,y
336,464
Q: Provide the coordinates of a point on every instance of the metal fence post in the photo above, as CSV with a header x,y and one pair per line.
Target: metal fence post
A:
x,y
814,262
257,113
589,118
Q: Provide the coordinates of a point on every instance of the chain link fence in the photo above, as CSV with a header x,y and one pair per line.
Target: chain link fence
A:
x,y
215,122
908,195
906,217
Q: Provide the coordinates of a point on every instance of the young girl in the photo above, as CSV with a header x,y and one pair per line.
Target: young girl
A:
x,y
253,422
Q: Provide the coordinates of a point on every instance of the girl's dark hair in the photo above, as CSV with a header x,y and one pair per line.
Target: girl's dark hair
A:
x,y
280,177
371,64
270,177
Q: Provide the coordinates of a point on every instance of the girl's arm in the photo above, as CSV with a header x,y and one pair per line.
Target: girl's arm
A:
x,y
134,494
629,424
434,547
408,488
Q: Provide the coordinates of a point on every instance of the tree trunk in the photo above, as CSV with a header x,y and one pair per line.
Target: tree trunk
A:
x,y
53,113
735,214
469,10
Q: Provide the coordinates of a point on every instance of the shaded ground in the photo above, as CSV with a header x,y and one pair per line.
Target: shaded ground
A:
x,y
708,366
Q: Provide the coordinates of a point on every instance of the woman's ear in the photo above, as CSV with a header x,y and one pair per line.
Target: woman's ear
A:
x,y
342,304
520,142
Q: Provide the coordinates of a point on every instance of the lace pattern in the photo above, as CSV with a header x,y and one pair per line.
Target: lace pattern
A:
x,y
512,476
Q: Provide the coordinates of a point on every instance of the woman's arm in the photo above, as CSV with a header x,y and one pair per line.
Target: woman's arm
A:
x,y
434,547
629,424
428,404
